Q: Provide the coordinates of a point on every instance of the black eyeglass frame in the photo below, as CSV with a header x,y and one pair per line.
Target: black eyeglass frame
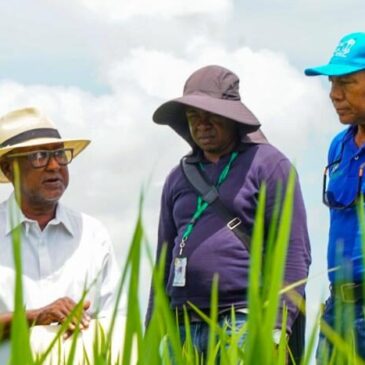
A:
x,y
49,154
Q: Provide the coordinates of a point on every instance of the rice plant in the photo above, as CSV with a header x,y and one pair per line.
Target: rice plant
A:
x,y
160,342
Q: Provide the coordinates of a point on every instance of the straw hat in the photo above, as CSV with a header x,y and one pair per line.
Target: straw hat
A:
x,y
29,127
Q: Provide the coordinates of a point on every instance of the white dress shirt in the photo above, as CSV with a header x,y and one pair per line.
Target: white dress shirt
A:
x,y
72,252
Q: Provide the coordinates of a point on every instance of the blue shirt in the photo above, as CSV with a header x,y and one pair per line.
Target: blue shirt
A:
x,y
344,248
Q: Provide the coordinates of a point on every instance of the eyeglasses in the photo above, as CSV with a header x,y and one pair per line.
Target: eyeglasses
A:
x,y
40,159
331,203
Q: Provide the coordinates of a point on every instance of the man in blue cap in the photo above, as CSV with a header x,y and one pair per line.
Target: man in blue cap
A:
x,y
343,187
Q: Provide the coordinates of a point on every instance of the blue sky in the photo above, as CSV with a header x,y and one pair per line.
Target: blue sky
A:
x,y
99,68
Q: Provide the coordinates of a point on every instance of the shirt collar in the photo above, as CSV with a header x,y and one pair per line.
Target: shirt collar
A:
x,y
63,218
348,140
15,216
350,133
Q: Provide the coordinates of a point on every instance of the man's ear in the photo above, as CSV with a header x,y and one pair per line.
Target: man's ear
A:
x,y
7,169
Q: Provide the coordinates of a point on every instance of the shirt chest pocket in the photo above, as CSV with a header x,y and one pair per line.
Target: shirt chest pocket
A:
x,y
342,187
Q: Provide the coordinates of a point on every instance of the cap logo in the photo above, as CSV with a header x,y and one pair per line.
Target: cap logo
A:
x,y
344,48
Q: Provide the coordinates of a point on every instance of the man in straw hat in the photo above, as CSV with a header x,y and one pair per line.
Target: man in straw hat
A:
x,y
343,188
235,157
63,251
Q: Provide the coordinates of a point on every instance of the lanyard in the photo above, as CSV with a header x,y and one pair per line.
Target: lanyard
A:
x,y
202,205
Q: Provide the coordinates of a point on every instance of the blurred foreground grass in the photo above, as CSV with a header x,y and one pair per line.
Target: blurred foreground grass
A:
x,y
124,341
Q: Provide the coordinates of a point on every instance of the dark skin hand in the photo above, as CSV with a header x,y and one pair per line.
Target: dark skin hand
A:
x,y
55,312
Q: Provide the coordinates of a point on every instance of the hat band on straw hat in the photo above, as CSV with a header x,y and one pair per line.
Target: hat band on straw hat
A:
x,y
31,134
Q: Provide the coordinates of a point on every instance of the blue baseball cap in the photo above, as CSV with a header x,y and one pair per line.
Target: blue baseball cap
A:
x,y
348,57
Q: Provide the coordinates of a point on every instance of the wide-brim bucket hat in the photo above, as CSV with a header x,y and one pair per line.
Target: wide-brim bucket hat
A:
x,y
214,89
28,127
348,57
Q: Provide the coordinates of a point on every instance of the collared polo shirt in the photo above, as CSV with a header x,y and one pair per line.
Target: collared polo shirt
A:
x,y
71,253
344,248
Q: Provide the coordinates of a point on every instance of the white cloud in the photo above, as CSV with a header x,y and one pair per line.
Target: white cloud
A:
x,y
158,74
116,10
290,106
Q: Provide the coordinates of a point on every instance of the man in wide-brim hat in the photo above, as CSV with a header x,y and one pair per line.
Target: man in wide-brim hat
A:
x,y
235,157
63,251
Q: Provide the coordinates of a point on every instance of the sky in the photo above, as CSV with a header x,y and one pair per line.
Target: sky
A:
x,y
99,69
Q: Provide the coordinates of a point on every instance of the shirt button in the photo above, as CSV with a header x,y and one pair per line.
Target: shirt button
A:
x,y
356,157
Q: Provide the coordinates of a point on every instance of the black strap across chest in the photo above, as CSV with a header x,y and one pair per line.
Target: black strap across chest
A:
x,y
210,194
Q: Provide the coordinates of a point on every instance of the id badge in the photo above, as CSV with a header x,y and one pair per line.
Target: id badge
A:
x,y
179,271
